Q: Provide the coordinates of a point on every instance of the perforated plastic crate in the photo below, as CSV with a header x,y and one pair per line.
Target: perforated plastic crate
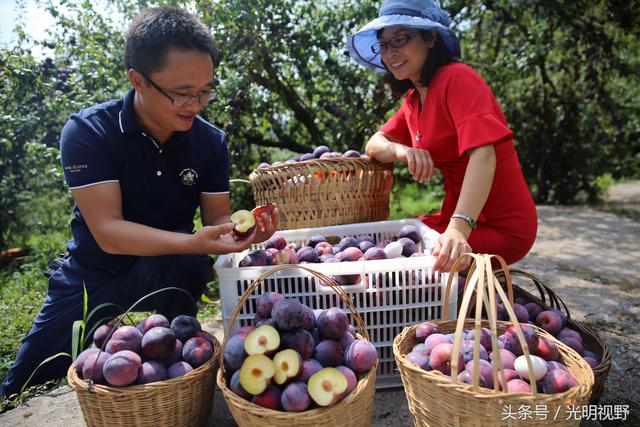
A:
x,y
391,293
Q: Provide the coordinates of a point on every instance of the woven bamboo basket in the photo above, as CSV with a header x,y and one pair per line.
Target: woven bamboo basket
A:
x,y
316,193
590,338
437,400
355,410
182,401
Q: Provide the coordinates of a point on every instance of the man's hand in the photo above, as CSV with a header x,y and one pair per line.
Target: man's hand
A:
x,y
266,225
218,240
418,161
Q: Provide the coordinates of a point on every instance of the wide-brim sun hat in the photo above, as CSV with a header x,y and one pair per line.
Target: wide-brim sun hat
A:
x,y
417,14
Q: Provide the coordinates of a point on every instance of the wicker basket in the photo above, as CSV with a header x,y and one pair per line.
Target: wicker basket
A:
x,y
354,410
182,401
317,193
590,338
437,400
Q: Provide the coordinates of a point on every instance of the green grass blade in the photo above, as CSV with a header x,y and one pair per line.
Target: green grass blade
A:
x,y
105,304
85,304
47,360
76,335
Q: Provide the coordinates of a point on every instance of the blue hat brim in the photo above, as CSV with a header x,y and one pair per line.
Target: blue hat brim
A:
x,y
359,44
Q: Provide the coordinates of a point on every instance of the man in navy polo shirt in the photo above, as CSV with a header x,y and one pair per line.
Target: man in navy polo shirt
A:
x,y
138,168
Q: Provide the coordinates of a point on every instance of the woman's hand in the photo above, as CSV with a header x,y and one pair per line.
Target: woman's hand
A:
x,y
449,247
386,149
418,161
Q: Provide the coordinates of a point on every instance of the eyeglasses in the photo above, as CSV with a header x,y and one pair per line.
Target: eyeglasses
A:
x,y
186,100
395,42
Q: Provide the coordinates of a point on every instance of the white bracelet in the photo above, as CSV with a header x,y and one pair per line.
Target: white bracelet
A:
x,y
470,221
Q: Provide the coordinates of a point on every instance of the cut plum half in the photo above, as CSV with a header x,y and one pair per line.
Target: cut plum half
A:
x,y
244,223
327,386
288,366
264,339
255,373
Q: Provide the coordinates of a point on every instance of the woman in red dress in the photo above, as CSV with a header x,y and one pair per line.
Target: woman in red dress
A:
x,y
449,120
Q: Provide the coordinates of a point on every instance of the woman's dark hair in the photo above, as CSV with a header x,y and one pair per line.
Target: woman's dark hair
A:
x,y
156,29
438,56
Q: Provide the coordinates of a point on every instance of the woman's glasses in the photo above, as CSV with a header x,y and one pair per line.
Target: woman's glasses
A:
x,y
395,42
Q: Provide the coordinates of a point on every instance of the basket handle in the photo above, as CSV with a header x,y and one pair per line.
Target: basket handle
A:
x,y
243,181
481,272
326,279
545,291
120,319
447,293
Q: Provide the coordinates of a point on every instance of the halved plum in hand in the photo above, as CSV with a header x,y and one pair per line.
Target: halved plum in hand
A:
x,y
259,210
244,223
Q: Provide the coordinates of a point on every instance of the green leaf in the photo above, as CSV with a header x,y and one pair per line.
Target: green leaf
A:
x,y
206,299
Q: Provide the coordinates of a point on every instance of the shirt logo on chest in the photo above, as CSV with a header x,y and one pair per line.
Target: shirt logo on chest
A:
x,y
188,176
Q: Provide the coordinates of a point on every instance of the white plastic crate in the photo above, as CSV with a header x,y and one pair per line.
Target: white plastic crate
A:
x,y
392,293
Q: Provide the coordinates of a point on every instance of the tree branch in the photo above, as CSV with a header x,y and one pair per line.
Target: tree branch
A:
x,y
291,98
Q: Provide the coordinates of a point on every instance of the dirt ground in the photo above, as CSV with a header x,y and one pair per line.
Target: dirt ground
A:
x,y
589,256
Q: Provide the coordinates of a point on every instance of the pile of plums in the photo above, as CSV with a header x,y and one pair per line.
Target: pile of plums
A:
x,y
321,152
553,321
296,358
350,248
435,352
154,350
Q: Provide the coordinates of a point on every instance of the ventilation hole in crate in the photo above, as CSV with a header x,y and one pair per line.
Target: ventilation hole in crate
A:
x,y
253,304
358,300
324,302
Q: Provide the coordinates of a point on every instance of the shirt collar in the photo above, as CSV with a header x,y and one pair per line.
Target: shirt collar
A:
x,y
128,123
127,118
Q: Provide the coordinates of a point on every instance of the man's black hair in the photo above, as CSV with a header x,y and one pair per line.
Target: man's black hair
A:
x,y
438,56
156,29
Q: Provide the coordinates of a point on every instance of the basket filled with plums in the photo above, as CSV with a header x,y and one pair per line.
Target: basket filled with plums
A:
x,y
157,373
548,311
475,371
324,188
296,366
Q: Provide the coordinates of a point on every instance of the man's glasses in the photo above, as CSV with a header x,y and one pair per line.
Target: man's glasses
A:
x,y
395,42
185,100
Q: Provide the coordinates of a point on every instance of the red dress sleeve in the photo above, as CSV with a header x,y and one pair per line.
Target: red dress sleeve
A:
x,y
397,125
473,107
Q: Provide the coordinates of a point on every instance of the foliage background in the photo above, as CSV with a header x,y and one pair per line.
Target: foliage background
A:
x,y
565,73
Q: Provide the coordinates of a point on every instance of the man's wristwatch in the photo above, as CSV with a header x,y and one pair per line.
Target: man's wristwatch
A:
x,y
470,221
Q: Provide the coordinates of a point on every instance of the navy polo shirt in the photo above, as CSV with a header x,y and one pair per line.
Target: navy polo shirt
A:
x,y
160,184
